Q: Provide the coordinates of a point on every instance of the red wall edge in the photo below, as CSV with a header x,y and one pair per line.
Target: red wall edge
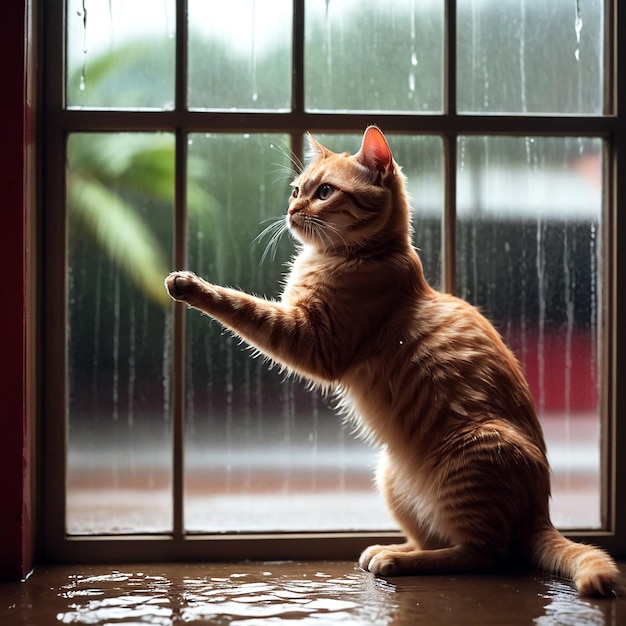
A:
x,y
16,117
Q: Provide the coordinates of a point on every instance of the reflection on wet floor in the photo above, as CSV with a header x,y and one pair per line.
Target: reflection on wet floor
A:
x,y
251,594
252,597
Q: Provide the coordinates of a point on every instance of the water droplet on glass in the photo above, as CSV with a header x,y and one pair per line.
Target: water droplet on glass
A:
x,y
255,96
81,86
578,26
414,59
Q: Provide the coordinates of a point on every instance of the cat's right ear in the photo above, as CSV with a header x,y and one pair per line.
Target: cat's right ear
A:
x,y
375,153
315,150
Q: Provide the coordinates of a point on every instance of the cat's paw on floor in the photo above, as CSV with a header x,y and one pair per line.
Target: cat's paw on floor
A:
x,y
367,555
379,560
384,565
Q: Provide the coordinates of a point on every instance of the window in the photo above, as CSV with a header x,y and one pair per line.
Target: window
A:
x,y
171,136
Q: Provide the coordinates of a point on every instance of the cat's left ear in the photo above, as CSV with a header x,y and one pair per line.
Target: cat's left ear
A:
x,y
315,150
375,153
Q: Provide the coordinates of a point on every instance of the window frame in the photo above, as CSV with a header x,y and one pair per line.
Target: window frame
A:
x,y
58,122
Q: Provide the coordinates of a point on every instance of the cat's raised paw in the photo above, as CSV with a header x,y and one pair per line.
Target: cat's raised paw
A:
x,y
180,284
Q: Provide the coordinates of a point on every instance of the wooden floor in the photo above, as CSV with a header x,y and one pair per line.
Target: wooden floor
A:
x,y
312,593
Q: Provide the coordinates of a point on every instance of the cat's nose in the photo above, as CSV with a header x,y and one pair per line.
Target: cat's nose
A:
x,y
294,208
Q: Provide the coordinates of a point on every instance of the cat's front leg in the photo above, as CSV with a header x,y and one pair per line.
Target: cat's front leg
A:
x,y
293,335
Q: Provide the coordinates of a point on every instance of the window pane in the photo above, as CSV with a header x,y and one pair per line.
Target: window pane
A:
x,y
119,214
120,54
262,452
529,254
530,56
240,54
377,56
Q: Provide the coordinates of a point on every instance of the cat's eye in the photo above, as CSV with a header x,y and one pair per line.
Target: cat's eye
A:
x,y
295,192
324,191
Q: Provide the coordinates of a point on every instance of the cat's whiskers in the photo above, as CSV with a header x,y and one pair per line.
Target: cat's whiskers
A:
x,y
295,161
275,231
282,172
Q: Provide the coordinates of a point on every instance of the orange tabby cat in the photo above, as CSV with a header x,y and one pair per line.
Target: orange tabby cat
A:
x,y
464,466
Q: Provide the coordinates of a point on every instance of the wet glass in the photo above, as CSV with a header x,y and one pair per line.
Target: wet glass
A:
x,y
374,56
262,452
529,254
120,54
530,56
119,431
240,55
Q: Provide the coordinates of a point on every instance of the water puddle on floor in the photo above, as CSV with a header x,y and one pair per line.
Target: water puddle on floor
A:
x,y
288,593
246,599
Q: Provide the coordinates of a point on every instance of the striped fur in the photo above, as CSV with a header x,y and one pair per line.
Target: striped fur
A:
x,y
464,466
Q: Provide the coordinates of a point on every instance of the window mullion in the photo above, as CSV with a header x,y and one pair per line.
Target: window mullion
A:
x,y
448,231
297,79
180,260
449,68
297,59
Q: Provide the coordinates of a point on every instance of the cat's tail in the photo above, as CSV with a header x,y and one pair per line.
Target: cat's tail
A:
x,y
593,570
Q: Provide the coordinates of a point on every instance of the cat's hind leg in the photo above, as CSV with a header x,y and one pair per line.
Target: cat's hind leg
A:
x,y
419,536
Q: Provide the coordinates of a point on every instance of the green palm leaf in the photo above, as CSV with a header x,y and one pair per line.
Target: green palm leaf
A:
x,y
122,234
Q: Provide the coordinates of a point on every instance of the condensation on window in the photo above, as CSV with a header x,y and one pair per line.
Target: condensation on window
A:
x,y
367,55
240,55
119,433
530,56
120,54
529,254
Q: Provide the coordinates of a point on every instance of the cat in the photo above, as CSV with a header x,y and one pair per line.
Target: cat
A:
x,y
423,373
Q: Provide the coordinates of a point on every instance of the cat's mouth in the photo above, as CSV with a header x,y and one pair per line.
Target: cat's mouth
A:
x,y
296,222
303,228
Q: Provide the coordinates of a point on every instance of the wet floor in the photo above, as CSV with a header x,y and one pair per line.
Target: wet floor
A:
x,y
314,593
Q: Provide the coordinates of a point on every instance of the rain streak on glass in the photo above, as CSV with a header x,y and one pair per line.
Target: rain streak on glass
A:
x,y
502,64
365,55
529,256
117,57
240,55
119,353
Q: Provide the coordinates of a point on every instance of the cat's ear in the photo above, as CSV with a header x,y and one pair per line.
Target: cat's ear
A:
x,y
315,150
375,153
